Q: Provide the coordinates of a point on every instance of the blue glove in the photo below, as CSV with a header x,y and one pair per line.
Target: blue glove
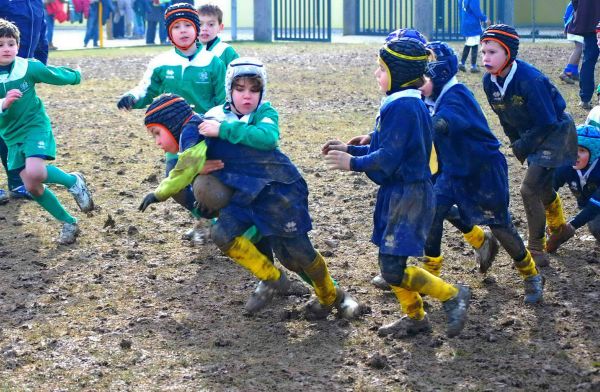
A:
x,y
126,102
149,199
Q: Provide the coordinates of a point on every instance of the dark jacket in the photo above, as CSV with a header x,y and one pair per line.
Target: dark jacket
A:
x,y
29,17
586,17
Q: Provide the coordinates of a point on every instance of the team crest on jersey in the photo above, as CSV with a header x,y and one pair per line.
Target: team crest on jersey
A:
x,y
24,87
170,74
497,95
41,145
290,227
203,77
517,100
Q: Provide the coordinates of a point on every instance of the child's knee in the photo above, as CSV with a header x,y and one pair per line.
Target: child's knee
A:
x,y
392,268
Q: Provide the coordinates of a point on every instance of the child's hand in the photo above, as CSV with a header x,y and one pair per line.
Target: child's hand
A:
x,y
149,199
209,128
338,160
11,97
212,165
333,145
126,102
360,140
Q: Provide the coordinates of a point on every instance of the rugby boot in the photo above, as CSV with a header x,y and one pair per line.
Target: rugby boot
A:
x,y
534,289
559,237
405,326
81,193
346,306
264,292
68,233
487,252
380,283
456,311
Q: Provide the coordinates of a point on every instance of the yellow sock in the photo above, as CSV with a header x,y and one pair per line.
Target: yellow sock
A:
x,y
433,161
322,281
475,237
245,254
410,301
526,267
433,265
417,279
555,217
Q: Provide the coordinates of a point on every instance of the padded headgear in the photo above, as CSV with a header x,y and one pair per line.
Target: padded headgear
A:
x,y
405,61
507,37
588,137
244,67
169,111
406,33
182,11
598,27
443,67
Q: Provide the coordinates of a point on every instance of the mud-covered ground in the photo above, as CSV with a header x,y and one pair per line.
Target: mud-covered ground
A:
x,y
133,306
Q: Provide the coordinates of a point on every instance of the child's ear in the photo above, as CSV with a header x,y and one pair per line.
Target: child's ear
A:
x,y
221,27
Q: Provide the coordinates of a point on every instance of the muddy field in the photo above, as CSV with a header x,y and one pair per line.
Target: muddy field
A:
x,y
133,306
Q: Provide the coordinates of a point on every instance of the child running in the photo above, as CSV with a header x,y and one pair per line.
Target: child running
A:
x,y
583,180
477,185
26,129
397,159
532,114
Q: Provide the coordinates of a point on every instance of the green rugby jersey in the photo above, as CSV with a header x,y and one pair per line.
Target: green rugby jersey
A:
x,y
27,114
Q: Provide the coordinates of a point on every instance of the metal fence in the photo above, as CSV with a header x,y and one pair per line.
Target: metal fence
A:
x,y
379,17
302,20
446,13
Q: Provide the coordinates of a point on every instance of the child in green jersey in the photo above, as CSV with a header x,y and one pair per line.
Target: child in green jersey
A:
x,y
25,127
211,25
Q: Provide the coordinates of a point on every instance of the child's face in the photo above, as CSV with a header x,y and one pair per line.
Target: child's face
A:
x,y
163,139
183,33
383,80
583,158
8,50
493,56
427,88
245,96
209,28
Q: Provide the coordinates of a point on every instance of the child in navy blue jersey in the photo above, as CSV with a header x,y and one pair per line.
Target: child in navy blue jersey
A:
x,y
397,159
583,180
477,185
532,114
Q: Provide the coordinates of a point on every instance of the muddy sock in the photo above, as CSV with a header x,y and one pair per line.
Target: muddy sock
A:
x,y
433,265
243,252
526,267
50,203
322,281
554,214
410,301
417,279
475,237
57,176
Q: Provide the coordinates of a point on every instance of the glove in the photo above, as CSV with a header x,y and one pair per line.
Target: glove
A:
x,y
126,102
149,199
519,151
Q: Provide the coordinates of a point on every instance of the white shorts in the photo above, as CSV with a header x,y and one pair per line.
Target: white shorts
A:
x,y
473,40
575,38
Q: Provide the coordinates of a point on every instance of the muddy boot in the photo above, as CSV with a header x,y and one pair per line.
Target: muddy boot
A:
x,y
81,193
380,283
559,237
487,252
404,327
197,235
534,289
540,257
68,233
456,311
264,292
346,306
462,68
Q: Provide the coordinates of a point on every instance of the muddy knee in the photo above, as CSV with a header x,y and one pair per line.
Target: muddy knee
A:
x,y
392,268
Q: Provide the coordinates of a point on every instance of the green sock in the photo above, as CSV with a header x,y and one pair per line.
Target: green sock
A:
x,y
57,176
51,204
